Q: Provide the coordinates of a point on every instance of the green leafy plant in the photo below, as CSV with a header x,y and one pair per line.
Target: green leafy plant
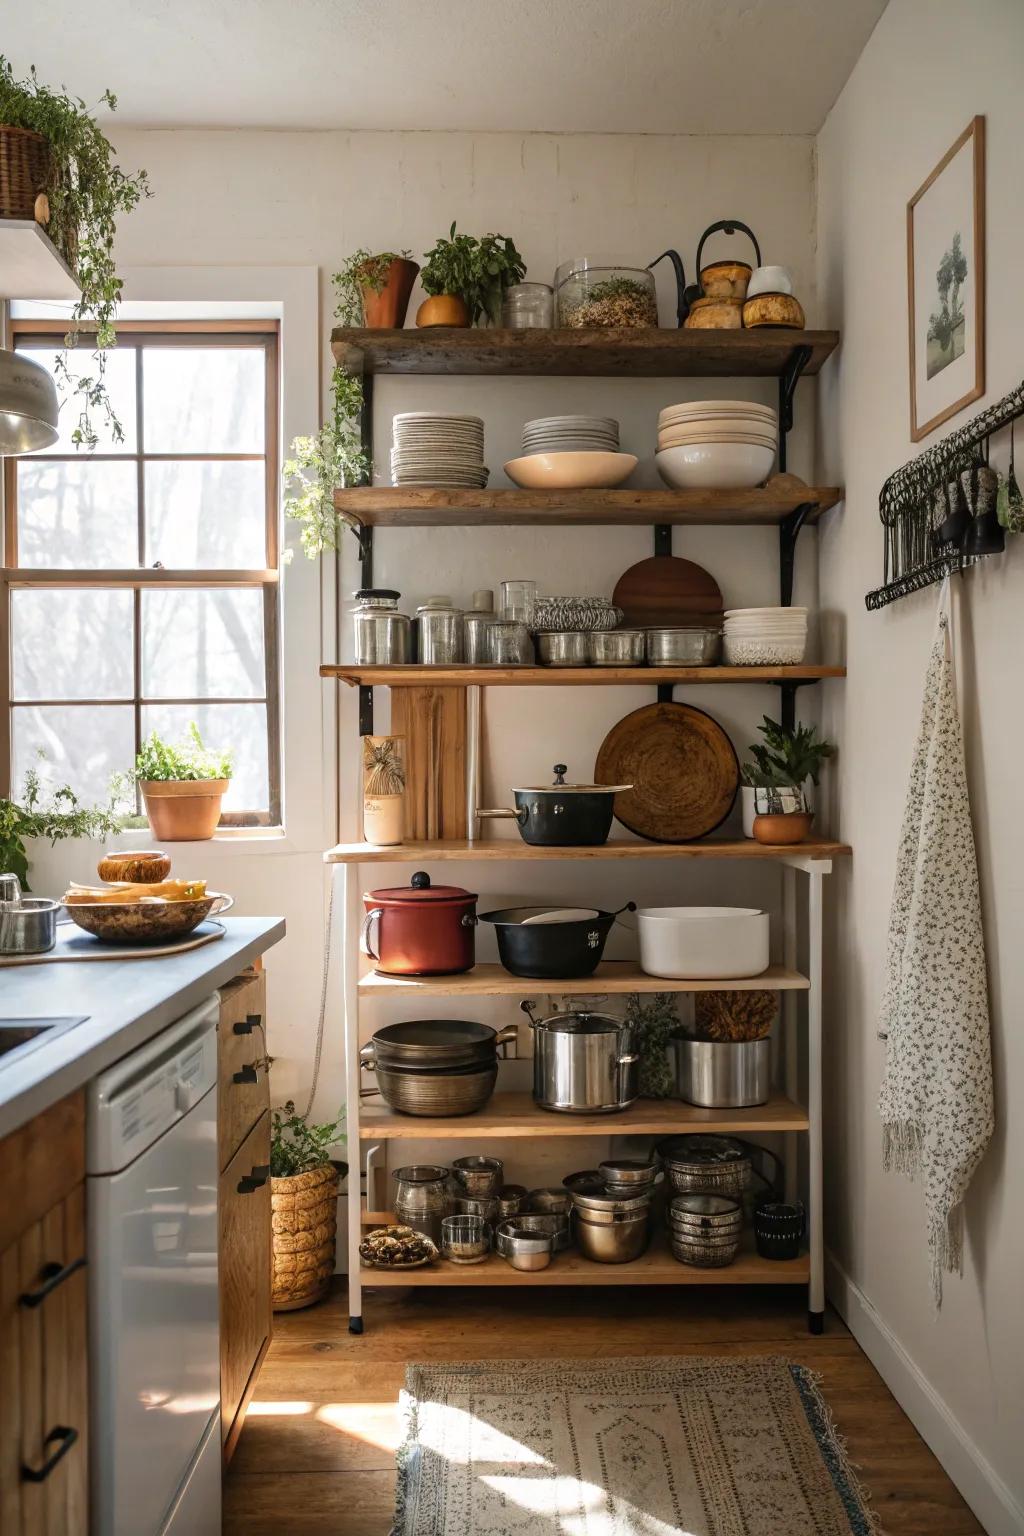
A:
x,y
785,758
361,270
478,271
57,814
333,457
164,761
297,1147
87,190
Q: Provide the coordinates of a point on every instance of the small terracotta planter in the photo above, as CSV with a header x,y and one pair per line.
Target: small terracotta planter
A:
x,y
386,311
443,309
183,810
784,829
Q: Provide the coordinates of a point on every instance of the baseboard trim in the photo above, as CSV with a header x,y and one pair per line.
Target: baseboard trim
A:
x,y
980,1485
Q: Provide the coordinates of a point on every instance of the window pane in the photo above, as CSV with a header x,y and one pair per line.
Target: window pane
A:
x,y
203,399
83,746
240,727
77,514
120,382
206,515
202,644
72,643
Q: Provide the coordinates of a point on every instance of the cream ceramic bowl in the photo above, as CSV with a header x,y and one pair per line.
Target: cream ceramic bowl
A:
x,y
571,471
697,943
769,280
715,466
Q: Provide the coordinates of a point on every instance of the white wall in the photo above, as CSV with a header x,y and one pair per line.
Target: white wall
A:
x,y
926,71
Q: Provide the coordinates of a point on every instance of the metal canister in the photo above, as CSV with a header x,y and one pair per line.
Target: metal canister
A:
x,y
383,636
439,626
508,644
474,626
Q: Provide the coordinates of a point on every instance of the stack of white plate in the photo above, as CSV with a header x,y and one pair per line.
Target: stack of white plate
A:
x,y
571,434
716,444
765,637
430,448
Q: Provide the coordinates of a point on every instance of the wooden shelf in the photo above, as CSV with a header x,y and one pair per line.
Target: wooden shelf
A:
x,y
31,267
662,353
615,848
513,1115
390,506
656,1267
419,676
488,979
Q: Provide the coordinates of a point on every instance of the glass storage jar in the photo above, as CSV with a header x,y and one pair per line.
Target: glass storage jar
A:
x,y
594,297
528,306
383,636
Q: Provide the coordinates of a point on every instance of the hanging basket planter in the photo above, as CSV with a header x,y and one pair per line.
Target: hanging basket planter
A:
x,y
304,1219
24,171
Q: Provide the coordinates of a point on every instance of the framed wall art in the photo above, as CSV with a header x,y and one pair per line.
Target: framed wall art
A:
x,y
946,284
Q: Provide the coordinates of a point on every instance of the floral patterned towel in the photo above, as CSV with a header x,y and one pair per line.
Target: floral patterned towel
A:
x,y
936,1098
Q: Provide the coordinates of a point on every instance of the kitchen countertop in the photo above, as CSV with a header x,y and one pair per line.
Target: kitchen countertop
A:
x,y
127,1002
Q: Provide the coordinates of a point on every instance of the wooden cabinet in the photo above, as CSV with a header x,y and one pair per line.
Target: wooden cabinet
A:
x,y
243,1138
44,1489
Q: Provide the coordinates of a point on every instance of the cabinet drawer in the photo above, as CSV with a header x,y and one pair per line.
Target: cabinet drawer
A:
x,y
42,1162
243,1093
245,1264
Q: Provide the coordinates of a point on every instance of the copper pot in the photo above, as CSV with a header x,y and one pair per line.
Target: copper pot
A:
x,y
420,929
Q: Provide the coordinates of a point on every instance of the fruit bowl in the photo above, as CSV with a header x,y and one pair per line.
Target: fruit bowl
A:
x,y
150,920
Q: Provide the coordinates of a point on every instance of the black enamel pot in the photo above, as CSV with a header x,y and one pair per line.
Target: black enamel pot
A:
x,y
549,950
562,815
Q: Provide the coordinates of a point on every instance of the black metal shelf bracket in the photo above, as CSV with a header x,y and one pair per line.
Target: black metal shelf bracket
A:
x,y
789,532
663,546
788,380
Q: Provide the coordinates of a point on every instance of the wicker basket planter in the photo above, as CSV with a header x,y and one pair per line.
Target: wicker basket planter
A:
x,y
24,171
304,1217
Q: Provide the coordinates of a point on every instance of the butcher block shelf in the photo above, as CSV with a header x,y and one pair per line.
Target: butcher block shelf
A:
x,y
515,1115
657,353
487,979
615,848
396,506
419,676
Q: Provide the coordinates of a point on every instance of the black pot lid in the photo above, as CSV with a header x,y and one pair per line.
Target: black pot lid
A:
x,y
560,787
701,1149
438,1034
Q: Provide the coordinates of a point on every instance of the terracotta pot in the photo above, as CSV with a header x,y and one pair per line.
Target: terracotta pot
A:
x,y
183,810
420,929
783,830
304,1218
444,309
386,310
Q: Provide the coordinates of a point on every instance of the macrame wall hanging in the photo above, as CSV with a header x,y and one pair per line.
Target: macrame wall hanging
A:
x,y
947,508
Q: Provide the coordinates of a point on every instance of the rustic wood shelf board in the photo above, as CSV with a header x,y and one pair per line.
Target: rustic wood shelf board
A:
x,y
488,979
615,848
391,506
564,677
661,353
31,267
516,1115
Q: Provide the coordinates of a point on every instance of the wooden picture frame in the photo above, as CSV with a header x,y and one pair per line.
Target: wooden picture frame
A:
x,y
947,332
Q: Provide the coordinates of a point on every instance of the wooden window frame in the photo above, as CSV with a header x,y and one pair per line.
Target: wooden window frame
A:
x,y
137,334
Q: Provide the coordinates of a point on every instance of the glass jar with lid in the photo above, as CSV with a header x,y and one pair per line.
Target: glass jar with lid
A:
x,y
383,636
528,306
589,296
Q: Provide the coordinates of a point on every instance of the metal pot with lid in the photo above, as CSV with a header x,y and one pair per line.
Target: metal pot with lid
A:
x,y
583,1062
560,814
420,929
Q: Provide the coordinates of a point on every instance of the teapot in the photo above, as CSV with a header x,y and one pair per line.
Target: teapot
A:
x,y
722,279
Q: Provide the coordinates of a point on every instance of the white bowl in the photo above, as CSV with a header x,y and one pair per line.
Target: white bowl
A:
x,y
697,943
570,471
769,280
715,466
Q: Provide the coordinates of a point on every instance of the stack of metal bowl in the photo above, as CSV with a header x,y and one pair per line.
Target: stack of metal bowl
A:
x,y
704,1230
435,1067
626,1178
612,1229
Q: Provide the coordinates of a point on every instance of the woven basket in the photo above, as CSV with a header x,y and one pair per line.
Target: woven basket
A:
x,y
304,1219
24,171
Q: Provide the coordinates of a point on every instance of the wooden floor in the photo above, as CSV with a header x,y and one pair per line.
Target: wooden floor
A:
x,y
315,1457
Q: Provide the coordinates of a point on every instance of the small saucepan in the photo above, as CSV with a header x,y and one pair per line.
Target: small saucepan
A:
x,y
562,815
551,948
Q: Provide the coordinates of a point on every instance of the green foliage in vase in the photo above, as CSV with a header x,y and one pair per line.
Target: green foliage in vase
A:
x,y
319,465
162,761
87,190
296,1147
359,271
785,758
655,1019
478,271
56,815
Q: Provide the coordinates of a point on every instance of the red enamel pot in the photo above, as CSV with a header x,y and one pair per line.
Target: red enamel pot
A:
x,y
420,929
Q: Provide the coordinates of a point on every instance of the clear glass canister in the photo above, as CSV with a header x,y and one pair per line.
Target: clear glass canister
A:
x,y
508,644
474,626
595,297
528,306
439,627
383,636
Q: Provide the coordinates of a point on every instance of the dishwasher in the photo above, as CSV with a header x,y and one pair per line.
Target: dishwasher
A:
x,y
154,1339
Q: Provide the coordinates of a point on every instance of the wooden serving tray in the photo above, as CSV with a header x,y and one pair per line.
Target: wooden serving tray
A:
x,y
73,944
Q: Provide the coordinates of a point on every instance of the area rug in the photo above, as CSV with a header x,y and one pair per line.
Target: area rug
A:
x,y
650,1447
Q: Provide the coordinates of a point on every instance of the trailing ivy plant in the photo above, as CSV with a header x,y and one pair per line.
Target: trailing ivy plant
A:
x,y
297,1147
361,270
320,464
476,270
87,190
55,814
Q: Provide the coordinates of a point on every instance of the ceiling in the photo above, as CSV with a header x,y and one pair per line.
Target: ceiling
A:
x,y
570,66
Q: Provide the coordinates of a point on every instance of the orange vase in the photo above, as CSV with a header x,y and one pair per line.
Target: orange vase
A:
x,y
443,309
386,311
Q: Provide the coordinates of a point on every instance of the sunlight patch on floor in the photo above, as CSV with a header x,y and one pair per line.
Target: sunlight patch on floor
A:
x,y
374,1423
575,1508
269,1409
482,1440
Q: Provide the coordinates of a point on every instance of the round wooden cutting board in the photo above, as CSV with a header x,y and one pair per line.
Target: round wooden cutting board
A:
x,y
666,589
683,769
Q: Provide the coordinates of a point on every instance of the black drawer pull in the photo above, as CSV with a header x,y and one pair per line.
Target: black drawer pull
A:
x,y
248,1074
249,1182
248,1024
66,1438
52,1275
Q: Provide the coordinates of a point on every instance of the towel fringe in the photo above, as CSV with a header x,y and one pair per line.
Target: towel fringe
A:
x,y
901,1147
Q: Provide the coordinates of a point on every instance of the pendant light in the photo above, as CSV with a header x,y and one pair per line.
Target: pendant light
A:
x,y
28,405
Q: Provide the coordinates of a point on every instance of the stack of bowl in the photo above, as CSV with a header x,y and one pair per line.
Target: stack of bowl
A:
x,y
570,453
431,448
704,1230
435,1067
716,444
765,637
612,1229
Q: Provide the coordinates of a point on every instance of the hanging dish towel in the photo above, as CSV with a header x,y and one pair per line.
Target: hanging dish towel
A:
x,y
936,1099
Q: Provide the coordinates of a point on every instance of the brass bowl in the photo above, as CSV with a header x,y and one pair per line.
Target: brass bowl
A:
x,y
152,921
138,868
774,309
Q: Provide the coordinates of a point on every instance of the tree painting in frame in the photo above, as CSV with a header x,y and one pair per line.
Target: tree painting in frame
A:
x,y
946,280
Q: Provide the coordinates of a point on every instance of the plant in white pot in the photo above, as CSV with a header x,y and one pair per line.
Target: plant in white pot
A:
x,y
774,792
182,785
304,1206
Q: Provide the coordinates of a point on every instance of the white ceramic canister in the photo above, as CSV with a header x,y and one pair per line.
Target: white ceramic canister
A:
x,y
383,790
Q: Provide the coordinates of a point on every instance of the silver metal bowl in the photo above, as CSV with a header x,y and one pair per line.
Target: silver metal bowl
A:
x,y
616,648
562,648
683,646
478,1175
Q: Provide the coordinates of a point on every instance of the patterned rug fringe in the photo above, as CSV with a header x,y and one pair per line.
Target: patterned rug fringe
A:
x,y
833,1444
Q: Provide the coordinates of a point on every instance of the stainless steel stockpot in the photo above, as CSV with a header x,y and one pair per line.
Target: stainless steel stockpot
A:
x,y
583,1063
723,1074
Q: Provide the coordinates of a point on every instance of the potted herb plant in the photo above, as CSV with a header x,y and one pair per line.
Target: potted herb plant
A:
x,y
55,815
182,784
774,794
55,155
374,290
304,1206
466,278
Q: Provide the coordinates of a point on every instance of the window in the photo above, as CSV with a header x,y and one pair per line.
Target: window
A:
x,y
140,584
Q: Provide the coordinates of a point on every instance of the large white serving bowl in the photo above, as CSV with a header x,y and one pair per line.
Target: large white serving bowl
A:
x,y
571,471
715,466
698,943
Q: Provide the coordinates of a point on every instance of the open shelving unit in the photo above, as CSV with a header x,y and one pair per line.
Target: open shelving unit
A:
x,y
785,504
31,267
